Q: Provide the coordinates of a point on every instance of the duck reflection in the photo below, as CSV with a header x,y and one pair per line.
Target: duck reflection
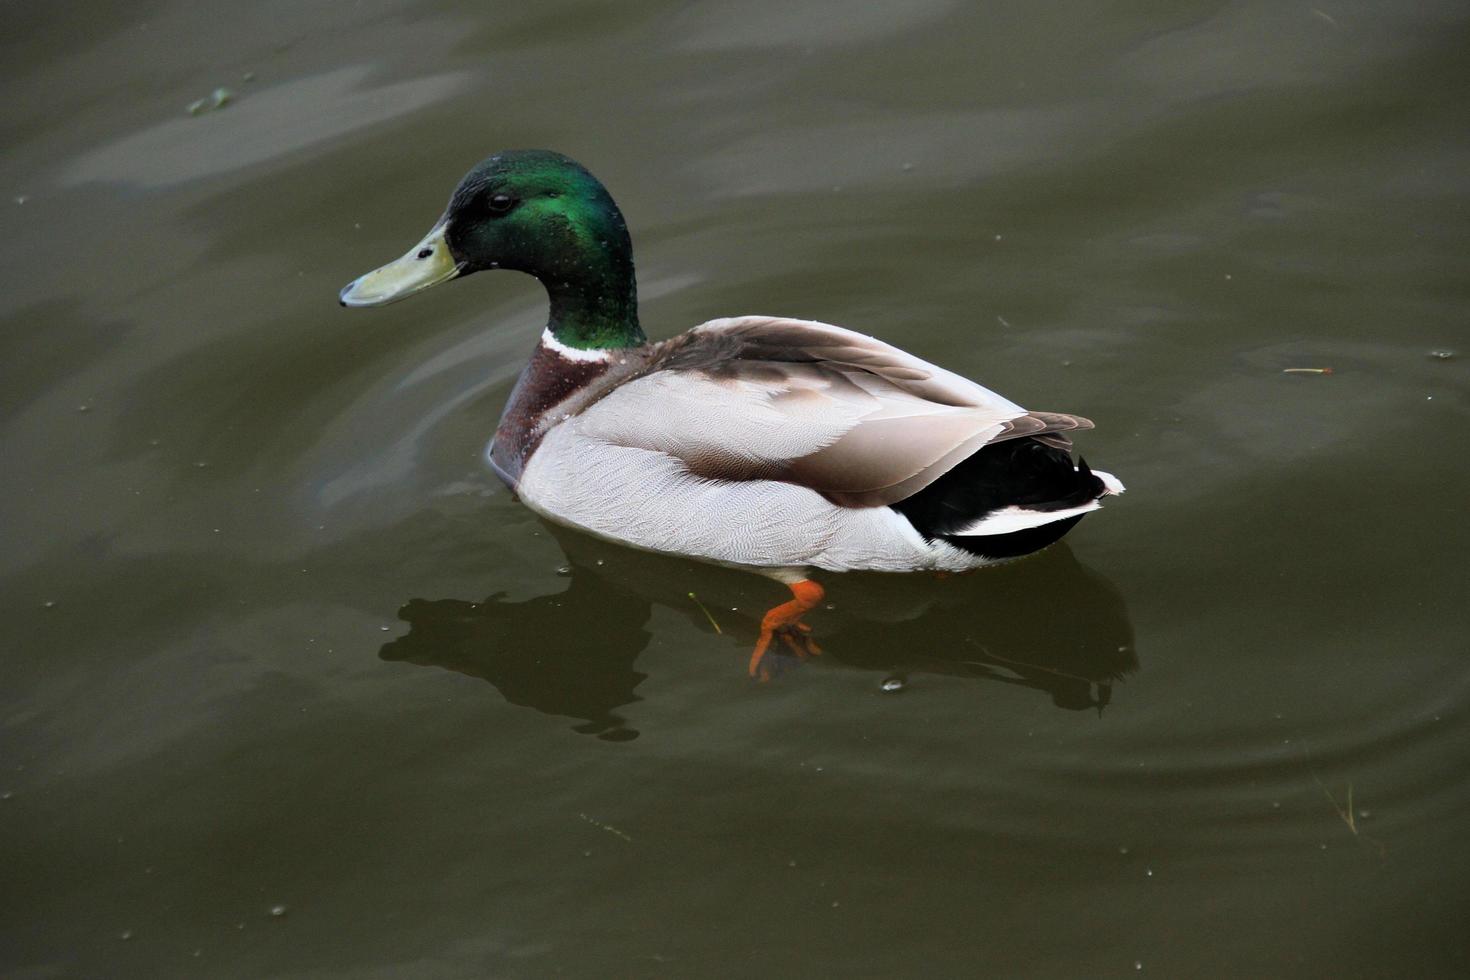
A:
x,y
541,653
1047,623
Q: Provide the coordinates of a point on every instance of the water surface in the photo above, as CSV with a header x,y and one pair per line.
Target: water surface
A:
x,y
292,686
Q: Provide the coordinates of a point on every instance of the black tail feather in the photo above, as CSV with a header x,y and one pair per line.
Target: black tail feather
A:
x,y
1018,472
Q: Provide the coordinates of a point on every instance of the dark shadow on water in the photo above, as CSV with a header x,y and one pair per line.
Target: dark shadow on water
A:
x,y
1047,623
538,653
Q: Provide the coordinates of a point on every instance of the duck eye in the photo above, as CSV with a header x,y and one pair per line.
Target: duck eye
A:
x,y
501,203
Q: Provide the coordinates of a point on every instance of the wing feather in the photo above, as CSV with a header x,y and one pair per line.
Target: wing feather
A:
x,y
849,416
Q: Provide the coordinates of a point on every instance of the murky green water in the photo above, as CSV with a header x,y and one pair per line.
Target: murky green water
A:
x,y
275,640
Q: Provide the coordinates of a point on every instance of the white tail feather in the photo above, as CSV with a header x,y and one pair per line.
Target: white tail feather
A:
x,y
1015,518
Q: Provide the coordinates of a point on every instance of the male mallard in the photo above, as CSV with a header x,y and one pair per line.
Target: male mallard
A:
x,y
776,445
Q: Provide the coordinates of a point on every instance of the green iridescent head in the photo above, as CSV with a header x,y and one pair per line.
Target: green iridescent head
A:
x,y
537,212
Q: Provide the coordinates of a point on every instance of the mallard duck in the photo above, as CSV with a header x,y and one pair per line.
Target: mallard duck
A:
x,y
778,445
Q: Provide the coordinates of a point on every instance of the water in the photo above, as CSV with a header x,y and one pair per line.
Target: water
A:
x,y
1220,732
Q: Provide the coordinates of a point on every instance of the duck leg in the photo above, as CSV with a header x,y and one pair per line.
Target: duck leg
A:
x,y
785,621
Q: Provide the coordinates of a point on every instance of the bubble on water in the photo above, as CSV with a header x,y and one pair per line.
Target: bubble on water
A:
x,y
1149,872
1365,814
1123,849
1138,964
49,604
385,628
893,684
125,935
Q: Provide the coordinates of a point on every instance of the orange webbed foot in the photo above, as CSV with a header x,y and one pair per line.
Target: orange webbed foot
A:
x,y
785,621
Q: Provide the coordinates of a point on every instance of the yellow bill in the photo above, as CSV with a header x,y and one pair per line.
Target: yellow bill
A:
x,y
426,264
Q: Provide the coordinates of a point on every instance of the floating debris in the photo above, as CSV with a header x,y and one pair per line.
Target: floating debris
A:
x,y
1442,354
217,99
1345,811
278,911
892,685
707,614
1326,370
607,827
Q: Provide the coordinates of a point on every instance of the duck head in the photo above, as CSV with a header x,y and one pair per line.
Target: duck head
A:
x,y
533,211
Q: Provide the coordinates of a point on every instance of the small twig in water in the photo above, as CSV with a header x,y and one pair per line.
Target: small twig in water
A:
x,y
706,614
607,827
1346,813
1326,370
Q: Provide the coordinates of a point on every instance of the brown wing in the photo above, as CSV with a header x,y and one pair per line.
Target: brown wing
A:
x,y
855,419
